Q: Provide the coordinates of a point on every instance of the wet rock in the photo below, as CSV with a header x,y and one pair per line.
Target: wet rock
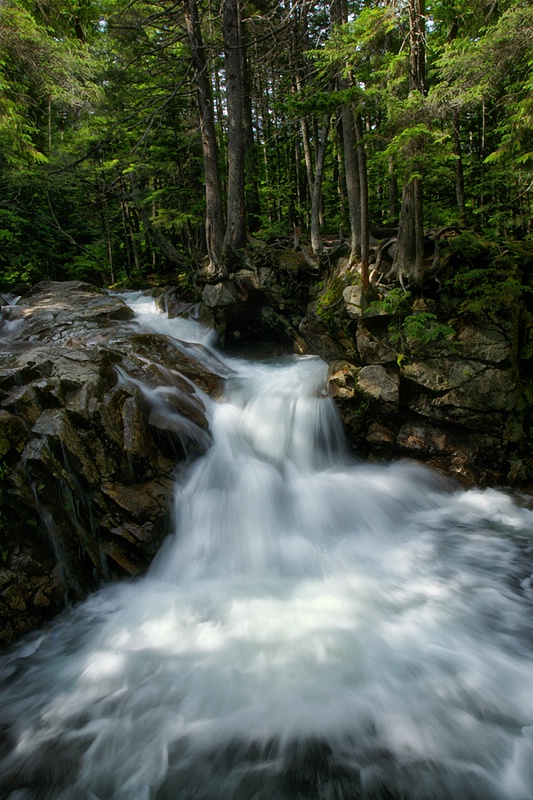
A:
x,y
379,434
13,433
136,438
140,500
342,379
56,425
178,438
95,421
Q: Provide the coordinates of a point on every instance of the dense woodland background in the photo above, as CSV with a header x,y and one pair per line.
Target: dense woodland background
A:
x,y
142,139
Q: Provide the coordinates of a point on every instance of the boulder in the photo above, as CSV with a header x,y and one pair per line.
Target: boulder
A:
x,y
319,339
354,301
220,295
375,347
95,421
378,383
342,379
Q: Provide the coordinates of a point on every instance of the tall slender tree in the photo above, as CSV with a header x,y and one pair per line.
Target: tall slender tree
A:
x,y
214,213
409,259
235,236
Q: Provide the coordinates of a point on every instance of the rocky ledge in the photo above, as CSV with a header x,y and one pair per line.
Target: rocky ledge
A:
x,y
460,402
87,459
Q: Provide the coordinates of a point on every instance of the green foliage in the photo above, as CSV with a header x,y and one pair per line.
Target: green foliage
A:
x,y
424,327
394,303
364,45
488,291
100,145
410,327
488,278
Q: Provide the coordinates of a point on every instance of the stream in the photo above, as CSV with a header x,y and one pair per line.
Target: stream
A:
x,y
316,627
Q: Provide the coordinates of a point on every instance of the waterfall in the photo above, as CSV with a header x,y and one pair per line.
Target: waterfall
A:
x,y
11,318
315,627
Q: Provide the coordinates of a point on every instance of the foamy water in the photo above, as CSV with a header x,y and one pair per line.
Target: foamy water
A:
x,y
315,628
11,318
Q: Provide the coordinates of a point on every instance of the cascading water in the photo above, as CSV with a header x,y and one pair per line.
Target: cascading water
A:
x,y
11,319
315,628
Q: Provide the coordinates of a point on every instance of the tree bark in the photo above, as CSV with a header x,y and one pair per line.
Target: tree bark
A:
x,y
459,173
409,260
417,45
363,186
214,214
355,166
253,206
316,200
235,236
353,185
393,193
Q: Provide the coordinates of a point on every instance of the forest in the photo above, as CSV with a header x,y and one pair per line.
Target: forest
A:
x,y
147,141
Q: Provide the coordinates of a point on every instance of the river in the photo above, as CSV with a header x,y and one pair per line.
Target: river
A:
x,y
315,627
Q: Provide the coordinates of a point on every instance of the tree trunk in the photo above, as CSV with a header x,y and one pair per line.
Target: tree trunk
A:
x,y
253,206
128,266
457,149
409,260
304,130
459,174
363,186
354,165
235,236
353,186
410,251
158,237
214,215
316,200
393,193
417,46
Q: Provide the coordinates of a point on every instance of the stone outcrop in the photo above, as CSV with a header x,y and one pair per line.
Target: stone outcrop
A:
x,y
459,402
95,421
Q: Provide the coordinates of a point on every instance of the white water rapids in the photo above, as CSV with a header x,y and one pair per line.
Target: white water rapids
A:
x,y
315,628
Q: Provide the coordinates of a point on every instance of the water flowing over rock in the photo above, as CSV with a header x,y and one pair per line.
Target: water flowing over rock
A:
x,y
314,628
459,402
95,420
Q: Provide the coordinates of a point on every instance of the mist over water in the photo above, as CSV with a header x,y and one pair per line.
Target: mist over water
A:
x,y
316,627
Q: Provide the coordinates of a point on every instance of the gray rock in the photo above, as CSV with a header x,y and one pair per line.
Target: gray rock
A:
x,y
354,301
378,383
441,374
220,295
375,348
88,456
379,434
341,379
488,342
